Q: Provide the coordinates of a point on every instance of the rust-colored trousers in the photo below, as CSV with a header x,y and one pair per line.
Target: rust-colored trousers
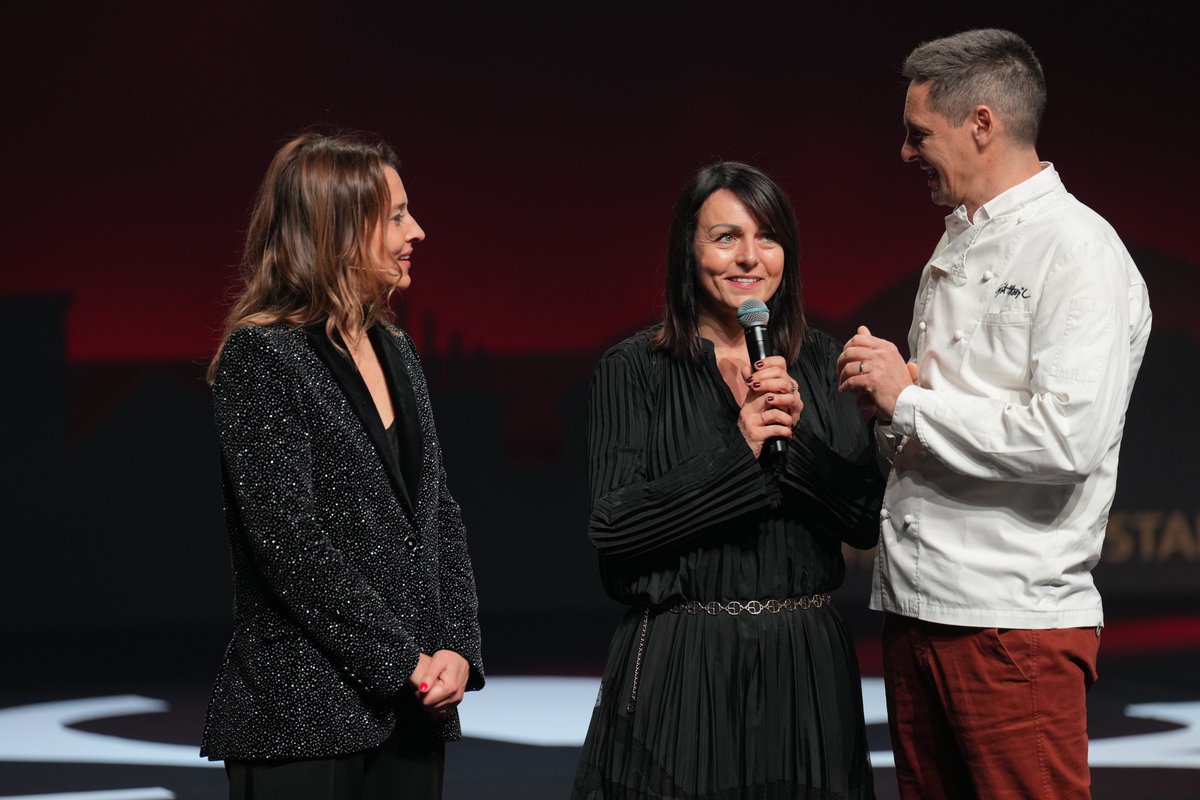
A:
x,y
988,713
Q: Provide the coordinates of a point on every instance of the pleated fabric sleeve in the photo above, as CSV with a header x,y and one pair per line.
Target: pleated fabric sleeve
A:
x,y
831,462
641,504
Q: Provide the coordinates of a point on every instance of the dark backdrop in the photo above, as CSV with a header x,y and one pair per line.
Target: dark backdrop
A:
x,y
543,147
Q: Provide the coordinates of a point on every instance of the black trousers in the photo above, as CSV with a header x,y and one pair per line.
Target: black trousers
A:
x,y
408,766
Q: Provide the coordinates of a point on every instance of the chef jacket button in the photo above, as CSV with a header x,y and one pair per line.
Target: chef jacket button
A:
x,y
922,325
958,335
885,514
909,519
987,276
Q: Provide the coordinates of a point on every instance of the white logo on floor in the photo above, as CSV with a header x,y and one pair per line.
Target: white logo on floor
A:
x,y
540,711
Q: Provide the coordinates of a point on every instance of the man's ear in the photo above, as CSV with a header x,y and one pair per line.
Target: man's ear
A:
x,y
983,125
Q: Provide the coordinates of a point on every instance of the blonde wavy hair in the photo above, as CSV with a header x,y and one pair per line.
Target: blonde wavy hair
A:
x,y
311,248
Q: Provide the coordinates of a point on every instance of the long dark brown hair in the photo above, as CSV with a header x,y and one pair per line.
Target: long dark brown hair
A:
x,y
772,210
308,252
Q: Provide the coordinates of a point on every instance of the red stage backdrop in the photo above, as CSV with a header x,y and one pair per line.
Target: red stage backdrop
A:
x,y
543,148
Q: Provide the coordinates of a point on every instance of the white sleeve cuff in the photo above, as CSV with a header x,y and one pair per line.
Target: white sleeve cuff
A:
x,y
904,415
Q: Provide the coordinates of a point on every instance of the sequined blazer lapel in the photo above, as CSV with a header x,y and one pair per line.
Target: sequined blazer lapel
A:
x,y
404,402
359,397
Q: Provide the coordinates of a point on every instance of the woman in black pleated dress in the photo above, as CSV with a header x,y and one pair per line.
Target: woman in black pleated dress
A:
x,y
731,675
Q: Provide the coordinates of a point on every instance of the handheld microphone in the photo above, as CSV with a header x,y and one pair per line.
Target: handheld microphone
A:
x,y
754,316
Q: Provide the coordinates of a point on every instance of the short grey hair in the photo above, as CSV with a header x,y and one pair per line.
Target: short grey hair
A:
x,y
990,66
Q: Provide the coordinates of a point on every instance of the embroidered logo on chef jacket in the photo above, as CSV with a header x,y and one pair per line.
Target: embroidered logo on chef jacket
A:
x,y
1013,291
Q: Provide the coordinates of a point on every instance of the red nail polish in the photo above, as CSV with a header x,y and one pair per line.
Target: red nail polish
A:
x,y
424,687
756,384
758,364
770,398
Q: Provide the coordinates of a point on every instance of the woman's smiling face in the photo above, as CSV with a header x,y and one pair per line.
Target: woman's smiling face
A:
x,y
736,258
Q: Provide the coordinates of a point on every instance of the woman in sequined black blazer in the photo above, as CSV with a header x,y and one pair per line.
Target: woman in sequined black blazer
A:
x,y
355,613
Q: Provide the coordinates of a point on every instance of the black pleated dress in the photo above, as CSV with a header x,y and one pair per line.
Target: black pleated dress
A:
x,y
717,707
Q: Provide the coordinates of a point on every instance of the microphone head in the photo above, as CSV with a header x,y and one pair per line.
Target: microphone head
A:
x,y
753,313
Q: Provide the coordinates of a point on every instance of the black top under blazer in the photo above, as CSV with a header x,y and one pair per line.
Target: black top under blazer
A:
x,y
349,554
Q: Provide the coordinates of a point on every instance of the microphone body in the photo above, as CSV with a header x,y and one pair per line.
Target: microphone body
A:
x,y
758,344
754,316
